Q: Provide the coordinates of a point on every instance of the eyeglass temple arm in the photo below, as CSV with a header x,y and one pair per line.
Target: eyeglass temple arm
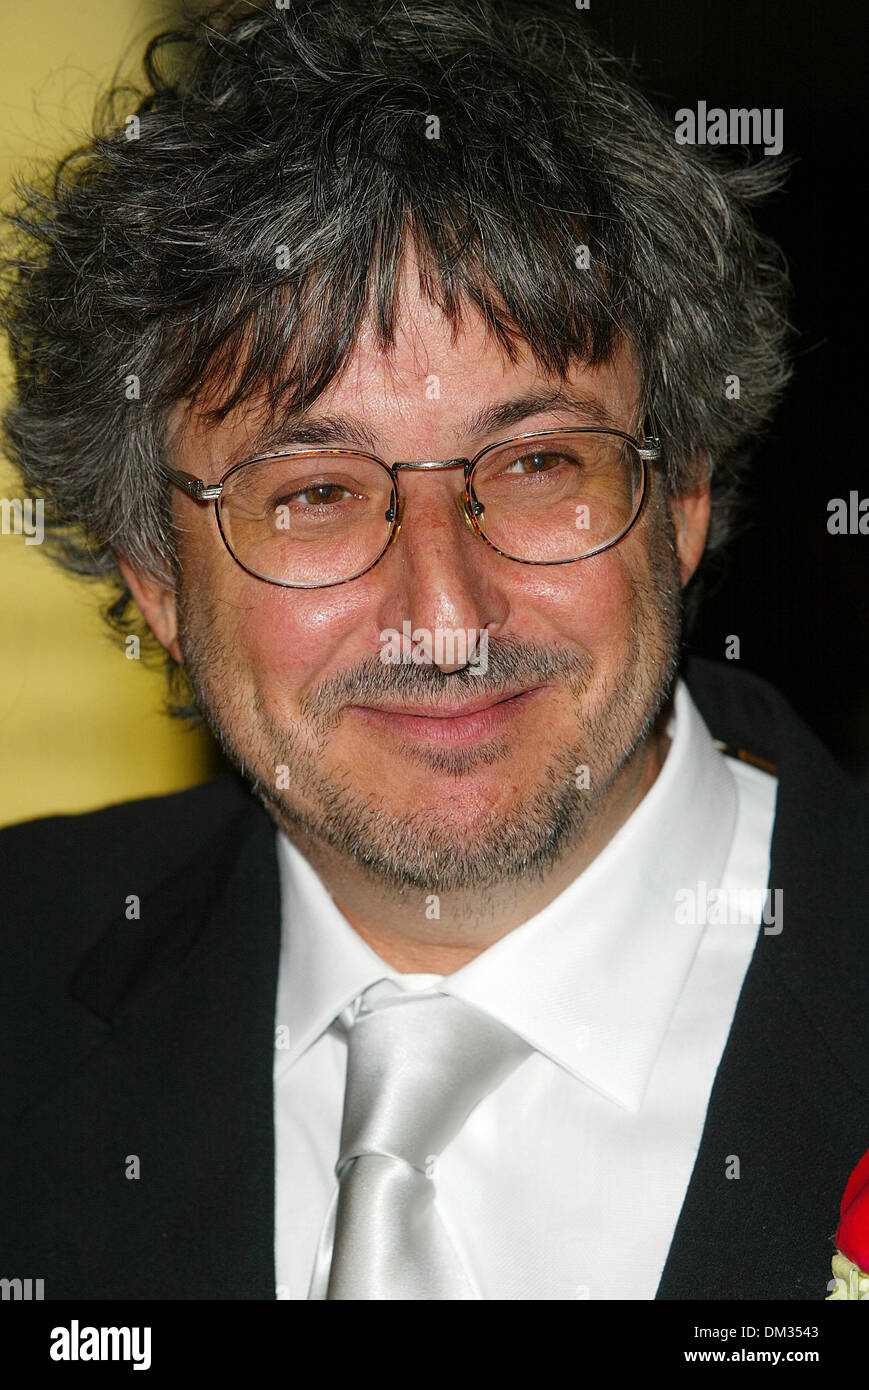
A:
x,y
650,449
194,487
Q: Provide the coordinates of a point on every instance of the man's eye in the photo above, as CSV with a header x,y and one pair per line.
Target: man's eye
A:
x,y
536,463
318,494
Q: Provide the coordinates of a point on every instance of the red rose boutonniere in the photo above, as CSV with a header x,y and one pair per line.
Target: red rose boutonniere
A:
x,y
851,1260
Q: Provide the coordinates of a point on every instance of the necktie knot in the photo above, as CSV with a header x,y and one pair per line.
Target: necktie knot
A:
x,y
416,1067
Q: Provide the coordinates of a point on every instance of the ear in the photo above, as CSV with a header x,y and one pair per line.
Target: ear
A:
x,y
157,605
690,513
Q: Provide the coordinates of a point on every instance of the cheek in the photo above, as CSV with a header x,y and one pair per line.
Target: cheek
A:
x,y
589,605
282,641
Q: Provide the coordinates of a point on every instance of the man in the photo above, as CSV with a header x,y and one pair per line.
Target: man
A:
x,y
383,368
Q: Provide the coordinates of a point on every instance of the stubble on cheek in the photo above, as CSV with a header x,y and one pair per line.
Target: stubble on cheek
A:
x,y
226,695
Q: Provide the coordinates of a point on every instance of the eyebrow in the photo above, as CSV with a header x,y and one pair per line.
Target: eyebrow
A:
x,y
334,430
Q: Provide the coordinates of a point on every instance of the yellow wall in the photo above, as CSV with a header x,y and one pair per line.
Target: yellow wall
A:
x,y
80,725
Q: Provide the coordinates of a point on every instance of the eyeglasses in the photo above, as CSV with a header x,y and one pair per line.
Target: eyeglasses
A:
x,y
312,518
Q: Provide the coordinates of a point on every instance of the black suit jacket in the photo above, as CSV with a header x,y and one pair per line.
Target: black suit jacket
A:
x,y
151,1038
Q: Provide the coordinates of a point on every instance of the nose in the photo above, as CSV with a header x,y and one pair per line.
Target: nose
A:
x,y
437,576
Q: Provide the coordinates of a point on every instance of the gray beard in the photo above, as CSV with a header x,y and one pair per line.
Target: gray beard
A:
x,y
422,851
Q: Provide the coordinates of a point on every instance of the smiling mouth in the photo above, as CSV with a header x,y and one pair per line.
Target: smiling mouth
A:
x,y
449,724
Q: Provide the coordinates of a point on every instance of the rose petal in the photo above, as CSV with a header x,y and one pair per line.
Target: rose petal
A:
x,y
852,1236
859,1178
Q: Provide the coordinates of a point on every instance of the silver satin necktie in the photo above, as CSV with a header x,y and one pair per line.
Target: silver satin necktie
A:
x,y
417,1065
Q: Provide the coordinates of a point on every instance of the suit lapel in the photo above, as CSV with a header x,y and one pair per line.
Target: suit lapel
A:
x,y
791,1096
783,1107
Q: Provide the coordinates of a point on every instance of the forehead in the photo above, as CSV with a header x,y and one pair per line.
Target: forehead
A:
x,y
433,362
436,382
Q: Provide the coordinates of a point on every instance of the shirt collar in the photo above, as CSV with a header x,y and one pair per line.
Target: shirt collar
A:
x,y
592,980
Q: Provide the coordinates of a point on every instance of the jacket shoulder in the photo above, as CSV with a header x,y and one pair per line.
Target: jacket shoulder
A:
x,y
822,814
744,709
736,697
64,875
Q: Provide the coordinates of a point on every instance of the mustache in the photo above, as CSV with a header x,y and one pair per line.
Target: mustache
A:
x,y
512,662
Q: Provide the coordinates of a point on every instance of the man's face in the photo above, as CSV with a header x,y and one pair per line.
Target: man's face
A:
x,y
356,754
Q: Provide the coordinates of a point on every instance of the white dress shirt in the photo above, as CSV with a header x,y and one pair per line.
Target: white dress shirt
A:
x,y
567,1181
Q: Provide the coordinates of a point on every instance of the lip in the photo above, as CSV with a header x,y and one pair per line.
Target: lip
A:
x,y
452,724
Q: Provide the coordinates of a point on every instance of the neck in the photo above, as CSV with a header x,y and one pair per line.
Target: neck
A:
x,y
469,921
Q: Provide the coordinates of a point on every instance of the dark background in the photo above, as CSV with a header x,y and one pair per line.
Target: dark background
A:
x,y
794,594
